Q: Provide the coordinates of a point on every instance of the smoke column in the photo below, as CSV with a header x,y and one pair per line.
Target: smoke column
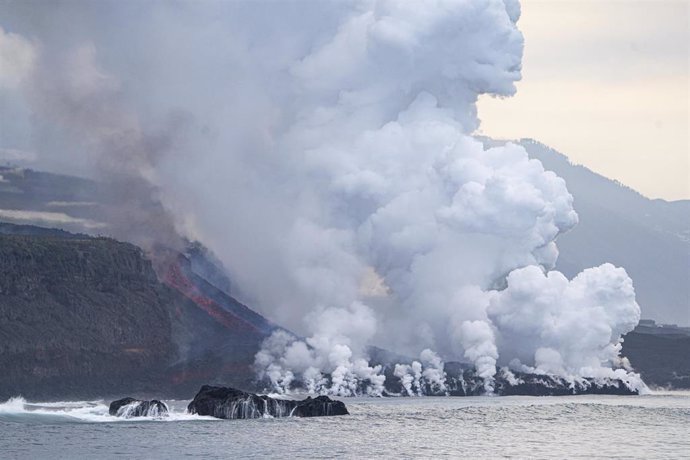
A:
x,y
324,151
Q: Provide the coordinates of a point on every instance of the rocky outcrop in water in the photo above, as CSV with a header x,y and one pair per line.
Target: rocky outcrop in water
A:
x,y
230,403
130,407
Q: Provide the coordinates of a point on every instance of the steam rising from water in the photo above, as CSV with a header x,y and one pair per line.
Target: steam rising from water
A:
x,y
415,377
332,152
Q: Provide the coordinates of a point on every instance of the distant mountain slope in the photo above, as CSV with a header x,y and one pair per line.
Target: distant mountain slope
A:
x,y
52,200
650,238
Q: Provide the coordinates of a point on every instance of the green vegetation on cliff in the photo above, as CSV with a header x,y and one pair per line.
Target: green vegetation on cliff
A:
x,y
79,314
89,317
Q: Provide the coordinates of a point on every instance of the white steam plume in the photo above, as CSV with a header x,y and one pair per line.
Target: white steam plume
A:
x,y
329,145
423,376
561,327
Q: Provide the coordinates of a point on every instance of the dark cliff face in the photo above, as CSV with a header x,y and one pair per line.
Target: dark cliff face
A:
x,y
662,361
89,317
79,316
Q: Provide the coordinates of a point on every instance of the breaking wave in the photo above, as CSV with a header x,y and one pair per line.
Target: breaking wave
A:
x,y
19,410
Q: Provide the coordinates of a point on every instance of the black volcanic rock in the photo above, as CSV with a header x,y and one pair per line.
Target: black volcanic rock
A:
x,y
319,406
464,382
549,385
230,403
130,407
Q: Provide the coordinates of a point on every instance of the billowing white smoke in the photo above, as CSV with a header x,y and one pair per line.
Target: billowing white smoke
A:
x,y
561,327
440,219
336,155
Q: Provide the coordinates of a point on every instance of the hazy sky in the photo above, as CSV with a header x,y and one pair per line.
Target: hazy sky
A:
x,y
606,83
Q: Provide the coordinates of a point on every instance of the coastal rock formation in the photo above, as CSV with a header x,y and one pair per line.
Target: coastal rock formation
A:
x,y
130,407
230,403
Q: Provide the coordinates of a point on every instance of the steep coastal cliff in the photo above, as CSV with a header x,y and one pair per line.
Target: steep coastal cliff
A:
x,y
82,316
79,313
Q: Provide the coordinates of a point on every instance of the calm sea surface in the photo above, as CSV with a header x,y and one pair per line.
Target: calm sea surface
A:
x,y
651,426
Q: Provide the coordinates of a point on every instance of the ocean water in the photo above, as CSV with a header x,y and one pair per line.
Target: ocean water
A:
x,y
649,426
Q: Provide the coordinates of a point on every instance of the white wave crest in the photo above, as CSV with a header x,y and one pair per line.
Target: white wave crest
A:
x,y
18,409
